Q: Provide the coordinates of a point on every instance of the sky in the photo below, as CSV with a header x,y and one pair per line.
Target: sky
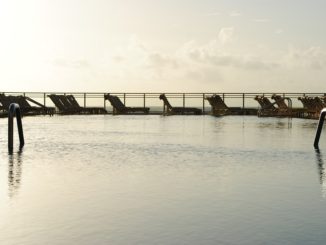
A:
x,y
163,46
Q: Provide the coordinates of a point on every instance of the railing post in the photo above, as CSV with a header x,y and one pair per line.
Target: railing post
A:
x,y
243,101
184,100
44,99
203,104
144,100
14,110
124,99
84,100
104,102
320,127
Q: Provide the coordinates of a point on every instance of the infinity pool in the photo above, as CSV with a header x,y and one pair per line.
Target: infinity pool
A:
x,y
163,180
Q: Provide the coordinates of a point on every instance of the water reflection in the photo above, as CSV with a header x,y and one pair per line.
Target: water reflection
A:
x,y
321,171
281,124
14,173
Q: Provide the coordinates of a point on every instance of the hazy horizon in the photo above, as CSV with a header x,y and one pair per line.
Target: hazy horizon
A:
x,y
162,46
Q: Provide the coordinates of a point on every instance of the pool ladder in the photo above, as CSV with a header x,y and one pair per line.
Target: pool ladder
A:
x,y
14,110
320,127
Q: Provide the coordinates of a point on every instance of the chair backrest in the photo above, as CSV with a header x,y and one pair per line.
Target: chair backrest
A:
x,y
267,103
324,100
318,103
57,102
165,100
73,101
309,103
259,100
7,100
115,102
264,102
23,102
4,101
217,102
280,101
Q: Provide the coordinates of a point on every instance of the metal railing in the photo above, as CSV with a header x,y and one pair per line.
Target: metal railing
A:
x,y
14,110
319,128
241,100
85,96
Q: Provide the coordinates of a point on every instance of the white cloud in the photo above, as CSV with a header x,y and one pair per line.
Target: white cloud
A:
x,y
313,58
213,14
197,67
235,13
262,20
159,61
226,35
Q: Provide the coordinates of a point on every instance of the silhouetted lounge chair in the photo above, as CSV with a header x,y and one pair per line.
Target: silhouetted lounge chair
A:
x,y
283,109
67,104
24,105
268,108
170,110
120,108
312,106
324,100
219,108
60,102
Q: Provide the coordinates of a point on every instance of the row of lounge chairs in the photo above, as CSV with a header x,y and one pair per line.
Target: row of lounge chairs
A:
x,y
278,108
312,106
281,107
120,108
67,104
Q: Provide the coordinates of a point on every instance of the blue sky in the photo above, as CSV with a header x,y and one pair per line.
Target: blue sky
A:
x,y
154,46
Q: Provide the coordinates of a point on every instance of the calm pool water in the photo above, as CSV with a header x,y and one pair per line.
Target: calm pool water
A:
x,y
163,180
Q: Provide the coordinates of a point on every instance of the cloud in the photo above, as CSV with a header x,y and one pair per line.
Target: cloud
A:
x,y
261,20
309,58
234,14
213,14
279,31
223,59
200,66
158,60
226,35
